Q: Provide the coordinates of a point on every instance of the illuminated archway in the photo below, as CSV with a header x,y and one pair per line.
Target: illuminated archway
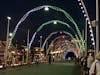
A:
x,y
54,8
64,46
72,37
49,22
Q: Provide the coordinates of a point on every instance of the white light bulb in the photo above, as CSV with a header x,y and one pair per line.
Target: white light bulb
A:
x,y
91,31
55,22
80,3
93,43
90,26
89,23
87,19
10,34
79,0
92,39
9,18
85,15
46,8
82,8
91,35
83,11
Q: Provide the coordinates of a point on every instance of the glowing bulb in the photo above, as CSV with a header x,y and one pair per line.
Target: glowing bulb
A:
x,y
55,22
10,34
85,15
93,43
90,26
87,19
91,35
88,22
80,4
60,32
83,11
79,0
81,7
46,8
9,18
90,30
92,39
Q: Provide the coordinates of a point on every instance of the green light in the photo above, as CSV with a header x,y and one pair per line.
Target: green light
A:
x,y
46,8
64,23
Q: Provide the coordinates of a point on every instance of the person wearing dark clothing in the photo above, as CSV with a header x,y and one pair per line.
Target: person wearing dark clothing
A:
x,y
0,61
49,55
37,59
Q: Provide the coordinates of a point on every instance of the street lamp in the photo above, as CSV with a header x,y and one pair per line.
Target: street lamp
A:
x,y
46,8
9,18
10,34
40,41
55,22
7,40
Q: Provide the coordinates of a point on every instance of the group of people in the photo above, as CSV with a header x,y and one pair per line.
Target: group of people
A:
x,y
95,67
91,64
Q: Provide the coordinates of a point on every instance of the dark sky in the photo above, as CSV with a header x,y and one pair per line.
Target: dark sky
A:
x,y
17,8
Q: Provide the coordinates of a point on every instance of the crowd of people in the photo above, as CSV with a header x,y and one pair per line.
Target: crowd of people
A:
x,y
90,64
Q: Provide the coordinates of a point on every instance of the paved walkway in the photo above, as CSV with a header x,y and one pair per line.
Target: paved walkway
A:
x,y
45,69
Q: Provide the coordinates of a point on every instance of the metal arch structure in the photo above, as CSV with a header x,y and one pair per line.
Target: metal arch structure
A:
x,y
53,33
79,44
72,37
48,37
46,23
39,8
86,15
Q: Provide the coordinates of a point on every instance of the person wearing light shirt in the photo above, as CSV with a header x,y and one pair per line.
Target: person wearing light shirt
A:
x,y
95,67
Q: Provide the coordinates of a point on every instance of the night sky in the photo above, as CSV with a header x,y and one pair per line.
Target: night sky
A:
x,y
17,8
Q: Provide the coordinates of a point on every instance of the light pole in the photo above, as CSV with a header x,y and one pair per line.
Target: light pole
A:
x,y
40,41
27,55
97,26
7,40
86,35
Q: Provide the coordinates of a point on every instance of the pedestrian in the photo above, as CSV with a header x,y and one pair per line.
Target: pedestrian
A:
x,y
95,67
89,62
0,61
49,60
37,59
84,65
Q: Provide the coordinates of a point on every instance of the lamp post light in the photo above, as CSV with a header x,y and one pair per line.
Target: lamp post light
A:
x,y
7,40
46,8
55,22
10,34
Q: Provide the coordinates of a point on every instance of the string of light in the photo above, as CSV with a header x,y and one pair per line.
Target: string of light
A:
x,y
85,13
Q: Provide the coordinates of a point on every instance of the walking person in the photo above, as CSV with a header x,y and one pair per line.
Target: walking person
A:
x,y
95,67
